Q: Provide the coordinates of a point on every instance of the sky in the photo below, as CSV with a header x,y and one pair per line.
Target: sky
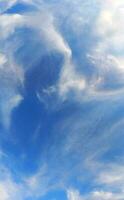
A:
x,y
61,100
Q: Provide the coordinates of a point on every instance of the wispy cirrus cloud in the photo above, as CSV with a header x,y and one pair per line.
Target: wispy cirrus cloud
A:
x,y
49,32
74,195
10,78
89,68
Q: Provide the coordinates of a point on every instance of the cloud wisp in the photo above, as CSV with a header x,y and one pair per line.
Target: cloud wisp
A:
x,y
61,98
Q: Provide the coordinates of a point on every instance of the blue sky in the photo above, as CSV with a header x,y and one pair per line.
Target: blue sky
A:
x,y
61,100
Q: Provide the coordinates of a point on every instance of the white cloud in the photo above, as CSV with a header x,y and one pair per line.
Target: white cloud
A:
x,y
102,195
108,74
109,25
44,23
34,186
113,176
95,195
106,65
8,24
10,78
74,195
8,106
11,75
106,51
38,184
54,41
3,60
10,190
70,80
106,54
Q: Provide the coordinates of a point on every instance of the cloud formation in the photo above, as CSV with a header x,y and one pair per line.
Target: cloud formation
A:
x,y
69,56
74,195
103,58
